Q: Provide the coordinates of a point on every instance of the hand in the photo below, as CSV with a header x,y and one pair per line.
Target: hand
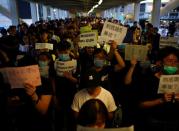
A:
x,y
113,45
168,97
133,61
67,74
30,89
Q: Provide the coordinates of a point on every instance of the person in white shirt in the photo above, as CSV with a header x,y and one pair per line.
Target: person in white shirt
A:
x,y
93,90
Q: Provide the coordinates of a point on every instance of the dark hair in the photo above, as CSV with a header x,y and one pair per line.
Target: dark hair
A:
x,y
164,52
46,54
63,45
90,111
99,50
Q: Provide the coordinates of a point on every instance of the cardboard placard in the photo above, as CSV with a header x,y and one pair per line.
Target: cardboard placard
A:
x,y
114,32
169,84
138,52
65,66
44,46
18,76
88,39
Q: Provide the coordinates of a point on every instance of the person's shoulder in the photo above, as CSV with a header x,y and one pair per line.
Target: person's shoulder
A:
x,y
81,92
104,91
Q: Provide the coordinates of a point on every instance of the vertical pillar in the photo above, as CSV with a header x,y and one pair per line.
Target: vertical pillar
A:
x,y
14,12
136,11
34,12
156,13
51,13
44,12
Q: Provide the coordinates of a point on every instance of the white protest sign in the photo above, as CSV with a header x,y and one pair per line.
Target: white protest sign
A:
x,y
17,76
88,39
114,32
169,84
44,46
138,52
81,128
169,41
65,66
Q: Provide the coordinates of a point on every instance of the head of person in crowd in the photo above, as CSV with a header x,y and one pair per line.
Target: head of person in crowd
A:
x,y
12,30
44,61
149,28
89,50
155,30
93,113
100,56
135,24
3,32
25,40
63,51
44,35
169,57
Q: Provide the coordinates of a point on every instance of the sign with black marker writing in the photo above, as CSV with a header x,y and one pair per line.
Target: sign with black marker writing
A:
x,y
114,32
138,52
88,39
44,46
65,66
169,84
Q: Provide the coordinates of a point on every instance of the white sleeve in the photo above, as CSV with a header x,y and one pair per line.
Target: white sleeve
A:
x,y
75,104
111,103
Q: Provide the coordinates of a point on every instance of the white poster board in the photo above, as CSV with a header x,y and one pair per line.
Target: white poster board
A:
x,y
169,84
44,46
65,66
138,52
88,39
18,76
114,32
169,41
81,128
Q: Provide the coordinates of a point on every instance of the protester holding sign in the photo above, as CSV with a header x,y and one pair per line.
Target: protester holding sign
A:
x,y
66,84
161,109
29,104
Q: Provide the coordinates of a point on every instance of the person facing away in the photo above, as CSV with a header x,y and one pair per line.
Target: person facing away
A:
x,y
93,113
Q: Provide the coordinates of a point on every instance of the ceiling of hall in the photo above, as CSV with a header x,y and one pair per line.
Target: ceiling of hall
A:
x,y
83,5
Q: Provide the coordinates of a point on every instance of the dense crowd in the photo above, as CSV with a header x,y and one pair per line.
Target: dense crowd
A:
x,y
103,91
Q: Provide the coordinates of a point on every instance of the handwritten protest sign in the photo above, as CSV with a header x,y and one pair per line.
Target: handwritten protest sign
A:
x,y
44,46
169,41
17,76
169,84
138,52
114,32
88,39
65,66
81,128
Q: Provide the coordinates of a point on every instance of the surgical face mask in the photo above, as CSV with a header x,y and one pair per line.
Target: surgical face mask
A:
x,y
44,71
64,57
99,63
43,63
170,70
145,64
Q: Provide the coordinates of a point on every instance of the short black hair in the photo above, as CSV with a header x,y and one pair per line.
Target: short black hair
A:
x,y
100,50
90,111
164,52
63,45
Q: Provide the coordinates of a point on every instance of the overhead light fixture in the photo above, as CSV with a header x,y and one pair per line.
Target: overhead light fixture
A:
x,y
95,6
100,2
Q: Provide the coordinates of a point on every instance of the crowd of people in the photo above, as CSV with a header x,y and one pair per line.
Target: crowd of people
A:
x,y
92,94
